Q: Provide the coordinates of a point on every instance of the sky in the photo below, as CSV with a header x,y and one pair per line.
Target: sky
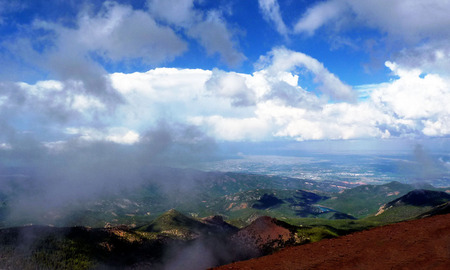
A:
x,y
93,94
232,71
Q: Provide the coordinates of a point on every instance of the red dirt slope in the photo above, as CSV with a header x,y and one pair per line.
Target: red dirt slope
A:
x,y
418,244
262,235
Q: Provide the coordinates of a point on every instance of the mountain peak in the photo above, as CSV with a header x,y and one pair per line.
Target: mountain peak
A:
x,y
421,197
413,203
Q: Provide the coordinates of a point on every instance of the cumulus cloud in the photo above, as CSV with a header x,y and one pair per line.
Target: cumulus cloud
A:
x,y
231,85
73,54
271,12
415,101
119,33
269,103
44,107
282,60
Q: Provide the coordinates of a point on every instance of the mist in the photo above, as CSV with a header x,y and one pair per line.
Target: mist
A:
x,y
38,180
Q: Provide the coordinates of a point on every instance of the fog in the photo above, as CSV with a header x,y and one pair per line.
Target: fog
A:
x,y
38,180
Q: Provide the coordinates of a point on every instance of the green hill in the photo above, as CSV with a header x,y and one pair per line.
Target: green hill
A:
x,y
280,203
438,210
366,200
412,205
176,224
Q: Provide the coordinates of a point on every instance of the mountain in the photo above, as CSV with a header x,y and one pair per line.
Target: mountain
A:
x,y
166,243
404,245
438,210
244,207
264,235
175,224
157,193
366,200
218,225
266,201
413,204
420,197
171,240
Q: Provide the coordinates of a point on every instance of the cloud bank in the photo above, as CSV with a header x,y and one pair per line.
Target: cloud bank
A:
x,y
268,104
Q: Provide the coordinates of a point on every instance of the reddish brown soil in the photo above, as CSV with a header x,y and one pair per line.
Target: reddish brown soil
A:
x,y
418,244
263,233
264,230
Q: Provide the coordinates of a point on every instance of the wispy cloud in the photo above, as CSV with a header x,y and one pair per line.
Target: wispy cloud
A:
x,y
415,32
319,15
271,11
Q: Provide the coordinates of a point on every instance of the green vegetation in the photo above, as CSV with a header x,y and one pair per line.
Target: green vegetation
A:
x,y
315,234
401,213
412,205
176,224
340,226
37,247
363,201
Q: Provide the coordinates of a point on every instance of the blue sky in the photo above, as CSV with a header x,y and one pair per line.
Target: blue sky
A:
x,y
251,31
238,71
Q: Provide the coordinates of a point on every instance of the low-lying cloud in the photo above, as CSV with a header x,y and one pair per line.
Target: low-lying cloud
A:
x,y
46,180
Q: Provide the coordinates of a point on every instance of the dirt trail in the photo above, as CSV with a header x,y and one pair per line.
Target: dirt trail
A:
x,y
418,244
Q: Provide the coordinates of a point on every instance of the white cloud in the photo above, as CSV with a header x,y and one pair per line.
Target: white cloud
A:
x,y
5,146
418,103
119,33
235,129
233,106
52,101
409,106
415,32
118,135
271,12
233,86
319,15
438,127
282,60
407,20
75,54
414,97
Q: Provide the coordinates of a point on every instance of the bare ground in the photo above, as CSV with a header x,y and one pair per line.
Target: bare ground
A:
x,y
418,244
